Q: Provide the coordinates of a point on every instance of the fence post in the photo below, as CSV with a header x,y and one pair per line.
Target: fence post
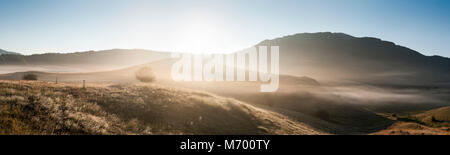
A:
x,y
84,86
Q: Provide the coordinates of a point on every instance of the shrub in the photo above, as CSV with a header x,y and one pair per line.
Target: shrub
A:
x,y
29,77
145,74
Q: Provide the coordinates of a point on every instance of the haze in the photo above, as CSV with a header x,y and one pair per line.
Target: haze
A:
x,y
223,26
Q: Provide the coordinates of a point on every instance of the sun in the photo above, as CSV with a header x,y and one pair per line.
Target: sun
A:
x,y
202,35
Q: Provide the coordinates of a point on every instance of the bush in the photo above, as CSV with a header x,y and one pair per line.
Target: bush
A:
x,y
29,77
145,74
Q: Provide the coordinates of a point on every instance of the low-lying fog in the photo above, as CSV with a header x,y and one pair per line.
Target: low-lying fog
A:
x,y
371,94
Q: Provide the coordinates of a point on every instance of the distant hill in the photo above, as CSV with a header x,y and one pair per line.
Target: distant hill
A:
x,y
340,56
110,58
7,52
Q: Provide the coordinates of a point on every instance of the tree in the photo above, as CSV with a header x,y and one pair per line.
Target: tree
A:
x,y
29,77
434,119
145,74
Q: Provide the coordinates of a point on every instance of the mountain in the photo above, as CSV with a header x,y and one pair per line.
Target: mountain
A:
x,y
7,52
338,56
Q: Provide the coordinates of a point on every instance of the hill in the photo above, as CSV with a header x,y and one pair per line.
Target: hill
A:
x,y
431,122
2,52
107,58
28,107
436,117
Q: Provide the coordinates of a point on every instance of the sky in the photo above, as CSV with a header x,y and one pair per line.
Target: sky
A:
x,y
41,26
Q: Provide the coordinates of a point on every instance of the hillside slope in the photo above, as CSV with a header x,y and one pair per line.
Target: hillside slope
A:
x,y
436,117
48,108
431,122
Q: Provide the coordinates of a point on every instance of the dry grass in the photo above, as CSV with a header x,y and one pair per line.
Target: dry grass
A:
x,y
33,107
432,122
410,128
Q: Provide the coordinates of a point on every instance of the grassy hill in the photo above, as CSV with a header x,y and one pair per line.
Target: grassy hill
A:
x,y
33,107
437,117
410,128
431,122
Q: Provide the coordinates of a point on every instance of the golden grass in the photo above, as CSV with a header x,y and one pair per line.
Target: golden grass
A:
x,y
432,122
410,128
34,107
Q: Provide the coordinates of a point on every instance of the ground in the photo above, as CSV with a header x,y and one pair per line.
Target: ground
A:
x,y
36,107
